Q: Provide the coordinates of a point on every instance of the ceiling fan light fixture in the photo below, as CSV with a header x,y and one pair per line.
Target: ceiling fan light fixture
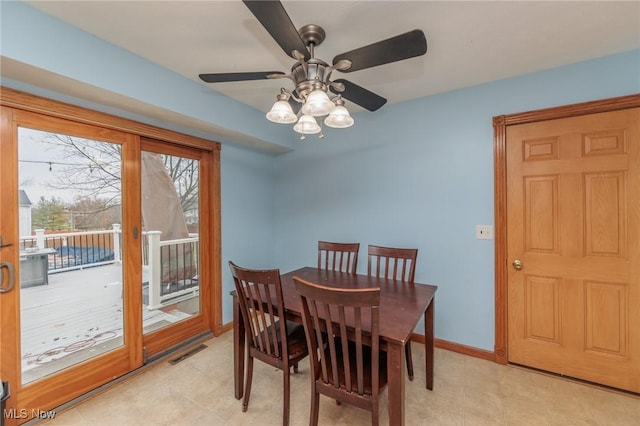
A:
x,y
317,103
307,125
339,118
281,111
311,76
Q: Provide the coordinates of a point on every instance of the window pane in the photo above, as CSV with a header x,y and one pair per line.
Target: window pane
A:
x,y
70,259
170,213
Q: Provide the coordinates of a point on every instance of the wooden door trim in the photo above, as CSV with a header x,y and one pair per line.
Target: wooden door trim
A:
x,y
28,102
500,124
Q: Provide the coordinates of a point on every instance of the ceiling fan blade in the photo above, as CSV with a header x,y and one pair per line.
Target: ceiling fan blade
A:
x,y
359,95
277,22
238,76
403,46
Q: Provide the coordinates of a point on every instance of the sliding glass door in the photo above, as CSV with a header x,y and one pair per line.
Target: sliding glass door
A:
x,y
68,321
109,252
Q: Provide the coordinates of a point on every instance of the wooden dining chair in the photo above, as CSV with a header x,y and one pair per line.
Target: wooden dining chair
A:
x,y
270,338
396,264
341,257
346,363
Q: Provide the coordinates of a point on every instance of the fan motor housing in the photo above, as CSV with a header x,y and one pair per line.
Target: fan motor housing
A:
x,y
315,73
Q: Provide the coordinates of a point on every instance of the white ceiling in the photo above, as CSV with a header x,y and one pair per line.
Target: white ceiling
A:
x,y
468,42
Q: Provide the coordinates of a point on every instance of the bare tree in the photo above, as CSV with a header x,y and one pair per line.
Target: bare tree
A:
x,y
184,174
87,214
93,170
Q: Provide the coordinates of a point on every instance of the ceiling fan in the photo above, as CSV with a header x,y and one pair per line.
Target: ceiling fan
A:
x,y
312,76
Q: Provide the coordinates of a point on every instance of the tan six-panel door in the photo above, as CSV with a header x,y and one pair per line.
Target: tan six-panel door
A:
x,y
573,222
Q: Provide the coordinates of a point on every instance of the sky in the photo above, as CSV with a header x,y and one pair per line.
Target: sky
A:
x,y
42,163
34,177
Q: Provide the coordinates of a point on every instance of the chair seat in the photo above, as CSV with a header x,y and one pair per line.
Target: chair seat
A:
x,y
297,340
297,343
366,355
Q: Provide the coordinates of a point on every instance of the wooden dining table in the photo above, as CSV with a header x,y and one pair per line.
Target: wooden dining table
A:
x,y
402,306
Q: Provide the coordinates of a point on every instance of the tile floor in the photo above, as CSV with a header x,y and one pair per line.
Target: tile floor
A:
x,y
467,391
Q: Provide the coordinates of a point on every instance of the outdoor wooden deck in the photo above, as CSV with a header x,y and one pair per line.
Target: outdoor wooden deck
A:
x,y
76,316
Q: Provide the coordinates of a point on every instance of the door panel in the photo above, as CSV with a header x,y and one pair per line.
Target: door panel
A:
x,y
70,269
172,270
573,220
58,339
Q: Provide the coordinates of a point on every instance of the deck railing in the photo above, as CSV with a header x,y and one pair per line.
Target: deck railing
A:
x,y
76,250
171,266
174,264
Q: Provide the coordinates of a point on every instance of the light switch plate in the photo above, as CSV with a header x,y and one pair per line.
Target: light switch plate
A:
x,y
484,232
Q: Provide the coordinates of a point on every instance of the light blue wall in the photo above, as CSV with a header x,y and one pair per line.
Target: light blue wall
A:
x,y
417,174
247,214
420,174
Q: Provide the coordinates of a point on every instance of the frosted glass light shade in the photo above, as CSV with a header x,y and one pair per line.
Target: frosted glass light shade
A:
x,y
339,118
317,104
282,113
307,125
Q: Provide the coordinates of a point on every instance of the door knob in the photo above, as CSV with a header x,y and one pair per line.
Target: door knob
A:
x,y
517,264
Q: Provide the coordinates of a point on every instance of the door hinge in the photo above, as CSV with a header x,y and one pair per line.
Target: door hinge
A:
x,y
145,357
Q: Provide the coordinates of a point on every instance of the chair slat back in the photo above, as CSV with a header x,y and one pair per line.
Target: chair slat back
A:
x,y
392,263
262,304
326,311
341,257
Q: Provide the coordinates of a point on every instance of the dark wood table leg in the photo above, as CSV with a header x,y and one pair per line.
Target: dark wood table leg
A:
x,y
395,381
428,342
238,349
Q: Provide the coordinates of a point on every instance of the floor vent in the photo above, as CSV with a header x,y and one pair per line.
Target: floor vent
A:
x,y
187,354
